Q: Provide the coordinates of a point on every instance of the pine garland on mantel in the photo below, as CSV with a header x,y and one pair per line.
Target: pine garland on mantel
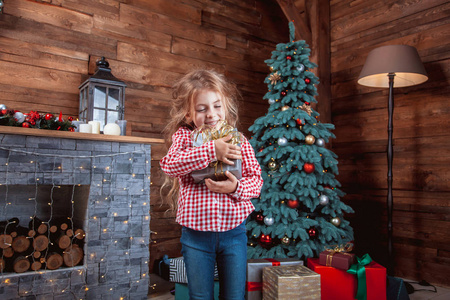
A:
x,y
34,119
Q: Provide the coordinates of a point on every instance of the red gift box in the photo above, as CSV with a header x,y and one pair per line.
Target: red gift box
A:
x,y
339,285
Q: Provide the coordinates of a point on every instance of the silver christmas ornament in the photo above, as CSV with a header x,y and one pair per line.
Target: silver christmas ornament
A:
x,y
320,142
336,221
269,221
301,68
271,101
2,106
20,117
324,200
282,141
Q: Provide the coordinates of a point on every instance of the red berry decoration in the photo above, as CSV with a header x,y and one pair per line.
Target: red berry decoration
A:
x,y
283,93
26,124
48,117
307,80
288,57
309,168
293,203
71,129
70,119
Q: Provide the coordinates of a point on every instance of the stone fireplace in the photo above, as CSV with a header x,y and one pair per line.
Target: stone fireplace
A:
x,y
102,184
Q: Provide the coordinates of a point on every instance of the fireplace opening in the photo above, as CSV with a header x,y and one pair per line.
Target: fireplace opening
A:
x,y
42,227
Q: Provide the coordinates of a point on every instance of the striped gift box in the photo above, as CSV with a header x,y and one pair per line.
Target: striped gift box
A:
x,y
177,271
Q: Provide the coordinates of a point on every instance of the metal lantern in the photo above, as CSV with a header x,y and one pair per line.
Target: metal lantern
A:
x,y
102,96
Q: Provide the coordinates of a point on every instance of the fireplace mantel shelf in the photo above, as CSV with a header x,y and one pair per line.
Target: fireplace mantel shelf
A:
x,y
78,135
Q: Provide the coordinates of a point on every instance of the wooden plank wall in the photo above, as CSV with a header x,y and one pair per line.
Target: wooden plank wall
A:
x,y
49,47
421,179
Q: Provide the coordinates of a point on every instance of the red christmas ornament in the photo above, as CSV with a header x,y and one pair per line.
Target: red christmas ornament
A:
x,y
312,232
309,168
71,129
70,119
259,217
4,111
48,117
26,124
307,80
283,93
293,203
299,122
307,103
265,240
288,57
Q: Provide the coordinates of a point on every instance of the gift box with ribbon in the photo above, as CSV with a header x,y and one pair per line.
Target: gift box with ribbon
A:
x,y
290,282
364,280
216,170
177,270
338,257
253,290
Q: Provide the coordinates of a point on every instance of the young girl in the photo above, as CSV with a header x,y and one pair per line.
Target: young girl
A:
x,y
213,213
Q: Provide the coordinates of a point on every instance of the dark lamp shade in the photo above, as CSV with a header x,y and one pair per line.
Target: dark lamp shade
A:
x,y
401,60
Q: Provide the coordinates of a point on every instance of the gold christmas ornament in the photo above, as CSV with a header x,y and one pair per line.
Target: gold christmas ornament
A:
x,y
274,78
285,108
272,165
336,221
271,69
285,240
310,139
306,108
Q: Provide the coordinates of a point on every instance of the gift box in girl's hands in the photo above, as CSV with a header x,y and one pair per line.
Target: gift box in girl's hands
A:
x,y
216,170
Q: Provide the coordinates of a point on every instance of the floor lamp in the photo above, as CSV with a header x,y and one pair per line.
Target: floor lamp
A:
x,y
382,65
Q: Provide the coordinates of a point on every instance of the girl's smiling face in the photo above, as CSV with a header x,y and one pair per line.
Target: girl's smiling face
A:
x,y
206,108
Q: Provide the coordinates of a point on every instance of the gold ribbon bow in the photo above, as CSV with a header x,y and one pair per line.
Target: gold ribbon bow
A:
x,y
221,130
343,249
211,133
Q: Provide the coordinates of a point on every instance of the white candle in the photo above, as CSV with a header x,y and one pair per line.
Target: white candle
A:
x,y
95,126
86,128
111,129
77,125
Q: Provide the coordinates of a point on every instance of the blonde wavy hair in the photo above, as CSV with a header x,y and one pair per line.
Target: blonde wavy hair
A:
x,y
184,92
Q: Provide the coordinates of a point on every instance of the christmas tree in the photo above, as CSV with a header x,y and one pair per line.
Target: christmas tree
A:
x,y
299,211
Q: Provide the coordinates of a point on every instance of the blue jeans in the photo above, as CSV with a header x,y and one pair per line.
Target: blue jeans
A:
x,y
202,249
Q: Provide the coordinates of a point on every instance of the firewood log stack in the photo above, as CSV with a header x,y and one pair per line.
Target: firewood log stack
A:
x,y
40,245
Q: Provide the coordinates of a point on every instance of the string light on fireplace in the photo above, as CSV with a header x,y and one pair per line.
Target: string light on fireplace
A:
x,y
57,168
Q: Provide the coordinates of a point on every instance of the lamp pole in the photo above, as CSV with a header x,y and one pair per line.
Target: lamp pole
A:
x,y
390,154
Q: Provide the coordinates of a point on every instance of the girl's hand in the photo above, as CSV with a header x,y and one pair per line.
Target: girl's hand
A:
x,y
223,187
225,151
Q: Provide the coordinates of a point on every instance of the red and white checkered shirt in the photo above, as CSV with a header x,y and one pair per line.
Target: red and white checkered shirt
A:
x,y
198,207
